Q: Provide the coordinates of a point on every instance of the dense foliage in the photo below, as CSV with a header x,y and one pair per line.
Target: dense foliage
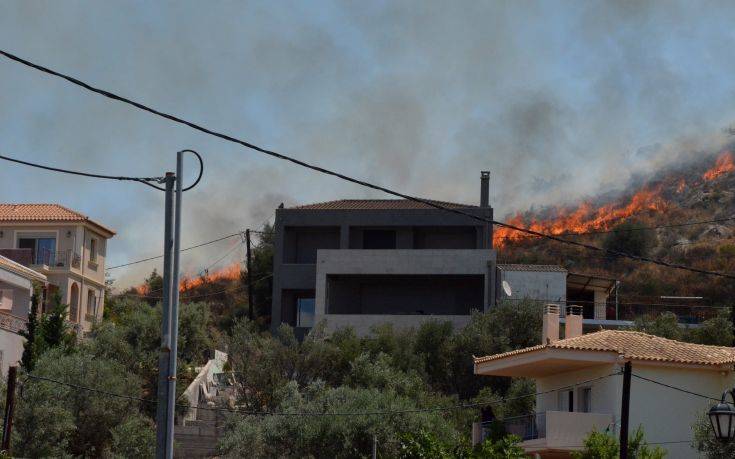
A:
x,y
603,445
423,372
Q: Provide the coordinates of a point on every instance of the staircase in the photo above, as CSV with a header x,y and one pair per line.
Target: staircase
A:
x,y
197,433
197,438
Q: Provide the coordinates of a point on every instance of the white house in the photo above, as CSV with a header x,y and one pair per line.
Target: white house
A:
x,y
580,385
16,288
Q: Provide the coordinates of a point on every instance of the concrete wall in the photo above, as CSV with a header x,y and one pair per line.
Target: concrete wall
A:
x,y
11,347
398,262
364,323
547,286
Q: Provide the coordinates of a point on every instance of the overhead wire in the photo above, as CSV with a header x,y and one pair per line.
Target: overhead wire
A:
x,y
228,236
347,178
454,407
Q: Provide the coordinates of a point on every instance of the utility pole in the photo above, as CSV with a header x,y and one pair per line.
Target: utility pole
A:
x,y
162,413
250,274
625,411
9,406
375,446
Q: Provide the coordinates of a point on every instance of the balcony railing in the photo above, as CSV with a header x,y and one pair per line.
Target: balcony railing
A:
x,y
554,429
54,260
527,427
11,323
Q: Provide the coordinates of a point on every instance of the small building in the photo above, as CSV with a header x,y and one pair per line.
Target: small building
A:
x,y
67,247
16,288
580,387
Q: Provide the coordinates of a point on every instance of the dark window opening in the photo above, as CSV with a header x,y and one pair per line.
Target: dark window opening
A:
x,y
584,298
301,243
404,294
297,308
461,237
379,239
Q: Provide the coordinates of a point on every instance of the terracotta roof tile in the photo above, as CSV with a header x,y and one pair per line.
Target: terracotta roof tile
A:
x,y
634,345
43,213
378,204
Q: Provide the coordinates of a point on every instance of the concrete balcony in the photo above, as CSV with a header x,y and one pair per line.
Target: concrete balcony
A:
x,y
12,323
556,431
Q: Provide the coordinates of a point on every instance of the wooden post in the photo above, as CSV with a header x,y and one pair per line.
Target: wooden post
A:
x,y
625,411
250,275
9,405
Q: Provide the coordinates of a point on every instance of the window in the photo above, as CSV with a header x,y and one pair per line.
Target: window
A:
x,y
91,302
93,249
6,299
566,400
43,249
585,400
305,312
379,239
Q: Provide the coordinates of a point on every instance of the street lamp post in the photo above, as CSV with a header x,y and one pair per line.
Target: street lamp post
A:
x,y
722,418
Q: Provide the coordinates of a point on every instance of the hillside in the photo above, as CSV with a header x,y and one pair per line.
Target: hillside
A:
x,y
684,214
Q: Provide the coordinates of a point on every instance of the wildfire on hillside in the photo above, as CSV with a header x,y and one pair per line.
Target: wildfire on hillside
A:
x,y
188,282
586,217
724,164
230,272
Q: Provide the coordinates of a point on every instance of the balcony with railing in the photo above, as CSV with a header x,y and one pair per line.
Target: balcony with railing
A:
x,y
46,259
553,430
11,323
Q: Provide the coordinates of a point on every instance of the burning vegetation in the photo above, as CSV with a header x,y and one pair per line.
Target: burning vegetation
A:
x,y
650,198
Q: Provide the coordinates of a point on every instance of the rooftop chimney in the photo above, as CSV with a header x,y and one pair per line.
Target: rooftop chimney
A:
x,y
573,322
485,189
550,328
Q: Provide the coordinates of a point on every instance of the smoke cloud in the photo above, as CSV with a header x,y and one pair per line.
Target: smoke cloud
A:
x,y
559,100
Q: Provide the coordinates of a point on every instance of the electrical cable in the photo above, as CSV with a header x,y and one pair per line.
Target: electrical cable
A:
x,y
623,230
321,414
182,250
363,183
143,180
686,391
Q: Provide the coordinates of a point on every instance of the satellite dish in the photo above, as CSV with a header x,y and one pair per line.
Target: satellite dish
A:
x,y
507,289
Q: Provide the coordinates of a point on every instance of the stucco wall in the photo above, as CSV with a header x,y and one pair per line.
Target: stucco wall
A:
x,y
667,415
11,346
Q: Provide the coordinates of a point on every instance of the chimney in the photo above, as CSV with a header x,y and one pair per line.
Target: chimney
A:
x,y
573,322
550,328
485,189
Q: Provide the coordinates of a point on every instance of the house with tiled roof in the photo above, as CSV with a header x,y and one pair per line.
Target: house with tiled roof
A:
x,y
579,386
65,246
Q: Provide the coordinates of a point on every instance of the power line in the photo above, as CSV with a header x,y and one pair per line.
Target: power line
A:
x,y
680,389
182,250
323,170
143,180
623,230
458,406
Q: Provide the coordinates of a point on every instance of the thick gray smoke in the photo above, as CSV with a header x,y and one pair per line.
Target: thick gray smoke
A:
x,y
558,100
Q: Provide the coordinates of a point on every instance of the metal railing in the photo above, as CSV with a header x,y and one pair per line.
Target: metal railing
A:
x,y
11,323
527,427
63,260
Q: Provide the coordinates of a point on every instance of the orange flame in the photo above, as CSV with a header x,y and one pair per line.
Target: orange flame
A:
x,y
230,272
725,164
681,186
584,218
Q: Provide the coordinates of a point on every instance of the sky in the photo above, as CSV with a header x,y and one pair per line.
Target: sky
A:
x,y
559,100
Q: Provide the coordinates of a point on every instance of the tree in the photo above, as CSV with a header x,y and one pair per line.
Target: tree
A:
x,y
28,360
624,239
716,331
61,419
707,444
262,266
603,445
346,436
665,325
